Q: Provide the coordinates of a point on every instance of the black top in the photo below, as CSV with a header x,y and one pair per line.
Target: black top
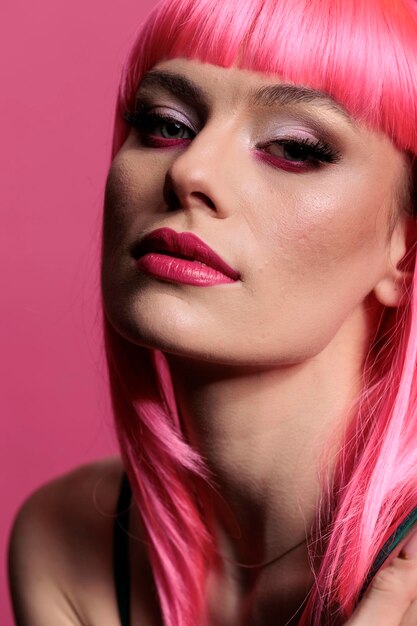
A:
x,y
121,566
121,553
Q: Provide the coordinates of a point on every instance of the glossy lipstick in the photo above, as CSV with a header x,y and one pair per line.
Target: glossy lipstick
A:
x,y
182,257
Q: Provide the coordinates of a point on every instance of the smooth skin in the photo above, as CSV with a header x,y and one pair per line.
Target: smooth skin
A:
x,y
265,368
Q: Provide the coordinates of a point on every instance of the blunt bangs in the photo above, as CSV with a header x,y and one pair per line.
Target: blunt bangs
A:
x,y
364,54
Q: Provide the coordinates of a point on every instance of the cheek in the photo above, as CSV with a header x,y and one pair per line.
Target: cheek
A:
x,y
130,196
134,185
336,224
322,254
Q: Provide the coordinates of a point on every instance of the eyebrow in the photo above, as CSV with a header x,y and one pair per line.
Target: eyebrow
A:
x,y
281,94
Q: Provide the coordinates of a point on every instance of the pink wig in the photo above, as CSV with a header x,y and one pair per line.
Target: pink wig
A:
x,y
364,54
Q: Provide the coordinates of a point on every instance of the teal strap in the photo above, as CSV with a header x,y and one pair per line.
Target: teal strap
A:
x,y
390,545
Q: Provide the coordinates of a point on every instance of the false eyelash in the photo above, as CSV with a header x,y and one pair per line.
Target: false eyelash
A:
x,y
318,150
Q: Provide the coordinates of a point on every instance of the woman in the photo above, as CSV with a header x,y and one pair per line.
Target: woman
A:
x,y
260,328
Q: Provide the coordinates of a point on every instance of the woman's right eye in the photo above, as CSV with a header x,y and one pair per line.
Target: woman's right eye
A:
x,y
155,128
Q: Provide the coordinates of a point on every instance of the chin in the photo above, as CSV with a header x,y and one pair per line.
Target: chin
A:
x,y
204,350
172,324
156,329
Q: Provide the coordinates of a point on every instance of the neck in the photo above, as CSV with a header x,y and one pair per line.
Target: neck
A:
x,y
262,432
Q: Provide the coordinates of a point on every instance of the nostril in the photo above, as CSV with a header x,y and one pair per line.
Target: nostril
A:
x,y
204,198
176,199
172,201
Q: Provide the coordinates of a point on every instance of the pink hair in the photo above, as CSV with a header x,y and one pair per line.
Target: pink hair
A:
x,y
365,55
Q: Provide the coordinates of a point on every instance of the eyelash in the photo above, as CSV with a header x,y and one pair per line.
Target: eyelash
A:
x,y
314,152
144,121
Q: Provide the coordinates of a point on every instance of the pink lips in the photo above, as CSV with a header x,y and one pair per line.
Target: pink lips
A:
x,y
162,252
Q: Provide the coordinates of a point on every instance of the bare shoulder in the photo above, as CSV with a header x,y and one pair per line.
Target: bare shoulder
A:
x,y
60,549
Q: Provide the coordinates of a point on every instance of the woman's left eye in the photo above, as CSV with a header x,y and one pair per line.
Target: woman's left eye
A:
x,y
302,151
159,126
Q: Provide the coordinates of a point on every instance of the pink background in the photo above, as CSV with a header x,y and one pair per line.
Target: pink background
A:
x,y
59,68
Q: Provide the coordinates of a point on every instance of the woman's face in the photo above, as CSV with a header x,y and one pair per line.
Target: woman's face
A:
x,y
289,191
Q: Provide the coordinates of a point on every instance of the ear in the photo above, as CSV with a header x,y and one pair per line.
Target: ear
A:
x,y
392,287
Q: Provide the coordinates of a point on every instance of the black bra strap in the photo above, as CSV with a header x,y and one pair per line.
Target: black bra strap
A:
x,y
121,566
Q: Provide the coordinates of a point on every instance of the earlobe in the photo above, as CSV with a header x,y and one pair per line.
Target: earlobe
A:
x,y
392,289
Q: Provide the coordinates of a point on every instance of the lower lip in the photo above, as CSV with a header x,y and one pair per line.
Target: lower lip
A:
x,y
181,270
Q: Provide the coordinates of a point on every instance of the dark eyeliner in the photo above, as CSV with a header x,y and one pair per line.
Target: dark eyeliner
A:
x,y
142,120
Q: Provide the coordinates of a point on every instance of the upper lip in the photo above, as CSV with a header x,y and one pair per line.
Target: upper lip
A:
x,y
186,245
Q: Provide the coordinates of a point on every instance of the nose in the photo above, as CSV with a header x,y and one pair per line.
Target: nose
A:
x,y
197,177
